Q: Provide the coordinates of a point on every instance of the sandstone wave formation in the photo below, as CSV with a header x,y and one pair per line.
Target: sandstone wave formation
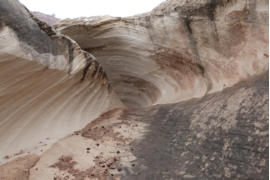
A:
x,y
180,92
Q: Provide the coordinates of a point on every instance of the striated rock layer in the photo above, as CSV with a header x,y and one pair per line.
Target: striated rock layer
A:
x,y
181,50
49,86
169,103
221,136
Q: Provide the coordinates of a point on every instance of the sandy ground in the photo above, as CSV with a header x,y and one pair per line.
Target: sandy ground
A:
x,y
18,169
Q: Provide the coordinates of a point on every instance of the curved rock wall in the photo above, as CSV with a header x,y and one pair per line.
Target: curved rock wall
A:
x,y
49,86
181,50
221,136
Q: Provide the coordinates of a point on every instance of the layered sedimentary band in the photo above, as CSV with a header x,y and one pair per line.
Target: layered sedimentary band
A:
x,y
142,97
49,86
179,51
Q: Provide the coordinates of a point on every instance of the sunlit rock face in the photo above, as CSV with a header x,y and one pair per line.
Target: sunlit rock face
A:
x,y
181,50
49,86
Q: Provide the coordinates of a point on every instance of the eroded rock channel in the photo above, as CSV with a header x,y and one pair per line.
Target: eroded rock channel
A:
x,y
180,92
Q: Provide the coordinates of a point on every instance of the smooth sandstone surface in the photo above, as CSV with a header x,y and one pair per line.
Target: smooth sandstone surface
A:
x,y
181,50
49,87
180,92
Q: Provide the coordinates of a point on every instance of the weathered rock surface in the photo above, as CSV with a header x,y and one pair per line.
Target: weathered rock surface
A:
x,y
221,136
183,93
49,86
181,50
49,19
19,169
